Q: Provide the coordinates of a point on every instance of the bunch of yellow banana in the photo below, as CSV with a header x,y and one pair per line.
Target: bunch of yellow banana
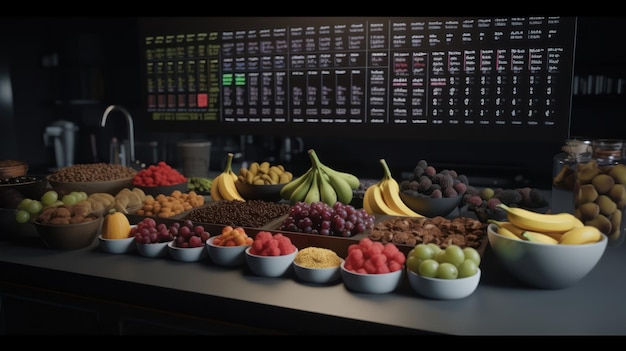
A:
x,y
384,197
547,228
223,185
320,183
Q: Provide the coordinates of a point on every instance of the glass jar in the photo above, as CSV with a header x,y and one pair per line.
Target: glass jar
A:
x,y
600,189
575,150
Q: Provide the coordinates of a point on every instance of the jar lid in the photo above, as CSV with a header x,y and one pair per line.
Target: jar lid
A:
x,y
608,149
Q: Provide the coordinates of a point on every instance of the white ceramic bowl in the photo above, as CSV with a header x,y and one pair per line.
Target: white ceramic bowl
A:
x,y
118,246
317,275
269,266
229,256
543,265
186,254
153,250
371,283
443,289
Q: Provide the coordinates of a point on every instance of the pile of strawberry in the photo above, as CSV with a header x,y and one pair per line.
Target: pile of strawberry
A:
x,y
374,257
158,175
268,244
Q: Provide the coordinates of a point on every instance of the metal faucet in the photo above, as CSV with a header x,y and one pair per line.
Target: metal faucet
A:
x,y
131,131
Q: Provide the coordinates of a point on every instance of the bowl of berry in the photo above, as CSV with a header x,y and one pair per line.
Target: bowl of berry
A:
x,y
372,267
229,247
189,243
270,255
152,238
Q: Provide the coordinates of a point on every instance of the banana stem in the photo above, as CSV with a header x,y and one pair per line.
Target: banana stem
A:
x,y
229,162
315,161
387,174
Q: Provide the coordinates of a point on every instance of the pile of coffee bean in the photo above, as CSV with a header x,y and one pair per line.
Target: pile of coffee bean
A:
x,y
250,213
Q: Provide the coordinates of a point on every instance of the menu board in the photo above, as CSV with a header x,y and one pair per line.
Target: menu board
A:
x,y
486,78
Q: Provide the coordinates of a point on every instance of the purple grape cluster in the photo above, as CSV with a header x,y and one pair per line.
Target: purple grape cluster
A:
x,y
148,231
320,218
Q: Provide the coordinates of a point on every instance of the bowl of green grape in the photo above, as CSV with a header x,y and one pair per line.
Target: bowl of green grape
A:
x,y
446,273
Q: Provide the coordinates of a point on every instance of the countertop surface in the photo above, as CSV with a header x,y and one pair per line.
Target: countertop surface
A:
x,y
500,306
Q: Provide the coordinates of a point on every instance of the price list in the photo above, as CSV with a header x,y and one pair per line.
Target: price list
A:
x,y
417,71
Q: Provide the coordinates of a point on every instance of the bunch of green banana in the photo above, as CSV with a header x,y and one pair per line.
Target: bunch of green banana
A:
x,y
384,197
200,184
223,186
546,228
320,183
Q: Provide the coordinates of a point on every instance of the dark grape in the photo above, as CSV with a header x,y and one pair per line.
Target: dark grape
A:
x,y
320,218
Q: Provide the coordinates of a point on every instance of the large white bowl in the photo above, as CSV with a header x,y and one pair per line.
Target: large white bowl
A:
x,y
229,256
269,266
317,275
186,254
543,265
371,283
443,289
153,250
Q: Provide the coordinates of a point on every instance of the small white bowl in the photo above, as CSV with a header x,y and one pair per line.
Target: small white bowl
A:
x,y
371,283
318,275
229,256
443,289
186,254
118,246
269,266
153,250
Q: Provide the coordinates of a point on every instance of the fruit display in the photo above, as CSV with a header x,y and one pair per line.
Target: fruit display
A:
x,y
267,244
546,228
232,236
200,185
426,180
264,173
453,262
370,257
165,206
29,208
115,225
223,185
158,175
320,183
323,219
384,197
600,197
484,202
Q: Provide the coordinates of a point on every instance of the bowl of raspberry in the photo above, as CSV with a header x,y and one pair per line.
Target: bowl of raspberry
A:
x,y
270,255
372,267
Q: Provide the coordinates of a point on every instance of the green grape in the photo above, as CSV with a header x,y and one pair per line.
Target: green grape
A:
x,y
24,203
22,216
423,251
447,270
428,268
49,197
468,268
413,263
69,199
34,207
435,248
453,254
79,195
472,254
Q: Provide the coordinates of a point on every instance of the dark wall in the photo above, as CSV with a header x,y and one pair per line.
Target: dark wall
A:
x,y
73,68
